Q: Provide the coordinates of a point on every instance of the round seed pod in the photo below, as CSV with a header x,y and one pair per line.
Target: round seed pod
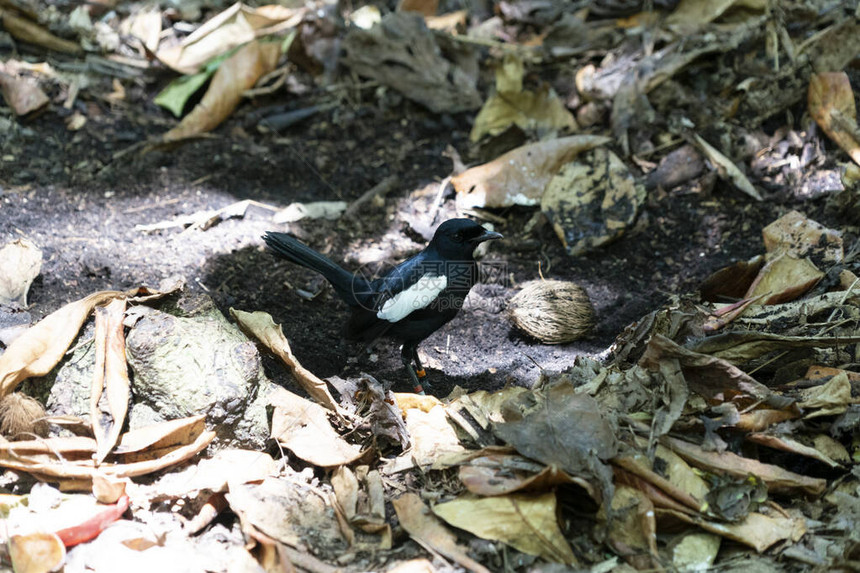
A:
x,y
552,311
22,416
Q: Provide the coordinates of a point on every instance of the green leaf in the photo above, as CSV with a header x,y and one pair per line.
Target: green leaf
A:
x,y
176,94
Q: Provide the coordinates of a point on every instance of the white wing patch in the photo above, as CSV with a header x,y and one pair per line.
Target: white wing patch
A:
x,y
416,297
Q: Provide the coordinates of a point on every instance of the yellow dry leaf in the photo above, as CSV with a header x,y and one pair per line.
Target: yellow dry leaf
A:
x,y
43,345
831,104
303,427
526,522
36,552
540,110
784,279
236,74
426,529
520,176
261,326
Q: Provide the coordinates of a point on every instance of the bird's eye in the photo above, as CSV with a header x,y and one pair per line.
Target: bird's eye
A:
x,y
458,236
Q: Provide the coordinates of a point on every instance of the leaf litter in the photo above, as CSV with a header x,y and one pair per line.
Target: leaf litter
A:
x,y
710,415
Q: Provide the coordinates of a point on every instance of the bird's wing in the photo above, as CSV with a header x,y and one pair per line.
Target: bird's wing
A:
x,y
418,295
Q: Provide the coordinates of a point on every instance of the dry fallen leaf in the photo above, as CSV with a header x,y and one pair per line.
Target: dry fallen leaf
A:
x,y
237,25
261,326
20,264
632,530
538,111
557,426
755,530
526,522
36,552
727,169
828,399
427,530
592,201
42,461
502,474
21,93
144,443
426,8
831,104
783,279
520,176
294,514
434,440
111,377
777,479
798,235
236,74
43,345
303,427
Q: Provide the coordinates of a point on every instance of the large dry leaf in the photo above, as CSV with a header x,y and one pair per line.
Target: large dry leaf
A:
x,y
592,201
520,176
20,264
828,399
711,377
303,427
526,522
43,345
111,377
831,104
783,279
402,53
559,427
675,477
532,111
81,471
503,474
755,530
237,25
426,529
632,530
434,441
145,443
236,74
796,234
261,326
294,514
218,473
792,446
145,26
777,479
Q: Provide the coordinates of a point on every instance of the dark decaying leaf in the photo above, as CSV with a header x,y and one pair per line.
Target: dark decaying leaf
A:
x,y
557,426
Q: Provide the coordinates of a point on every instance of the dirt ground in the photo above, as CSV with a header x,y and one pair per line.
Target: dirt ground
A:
x,y
68,193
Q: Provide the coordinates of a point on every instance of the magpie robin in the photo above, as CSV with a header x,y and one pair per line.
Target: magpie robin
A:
x,y
413,299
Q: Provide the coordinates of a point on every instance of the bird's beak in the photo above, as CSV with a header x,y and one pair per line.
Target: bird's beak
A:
x,y
487,236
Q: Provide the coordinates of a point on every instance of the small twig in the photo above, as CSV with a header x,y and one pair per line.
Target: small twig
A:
x,y
381,189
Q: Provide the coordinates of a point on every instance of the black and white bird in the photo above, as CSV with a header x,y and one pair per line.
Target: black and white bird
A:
x,y
413,299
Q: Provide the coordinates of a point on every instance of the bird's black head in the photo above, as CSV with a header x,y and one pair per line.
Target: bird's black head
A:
x,y
458,238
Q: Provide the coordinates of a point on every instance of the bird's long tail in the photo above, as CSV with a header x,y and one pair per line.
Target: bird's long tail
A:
x,y
295,251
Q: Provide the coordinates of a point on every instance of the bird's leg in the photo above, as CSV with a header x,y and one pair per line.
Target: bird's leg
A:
x,y
419,369
408,355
